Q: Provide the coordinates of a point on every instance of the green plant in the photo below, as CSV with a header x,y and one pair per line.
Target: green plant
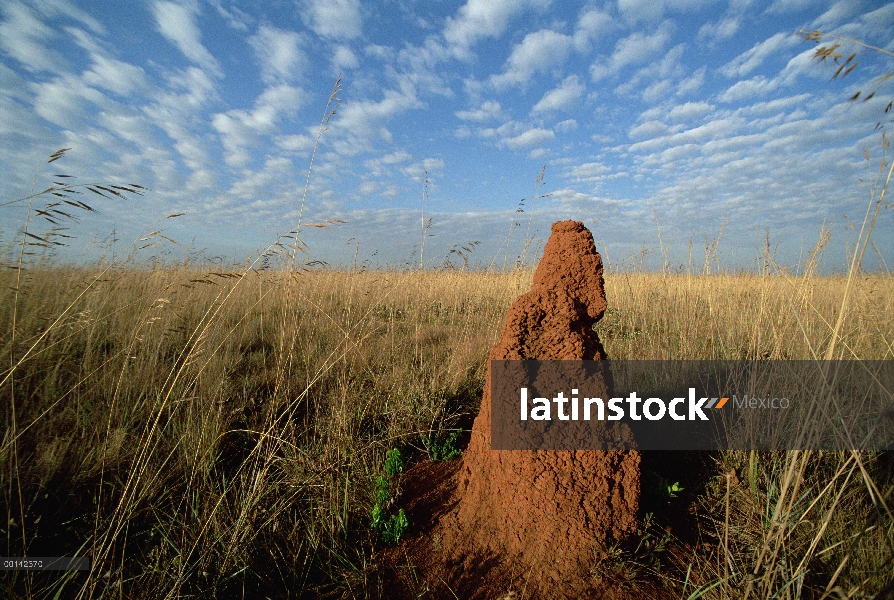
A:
x,y
383,493
652,541
442,447
673,488
395,527
660,489
633,564
390,527
394,463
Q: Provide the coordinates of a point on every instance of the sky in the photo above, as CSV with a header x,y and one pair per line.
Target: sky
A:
x,y
457,126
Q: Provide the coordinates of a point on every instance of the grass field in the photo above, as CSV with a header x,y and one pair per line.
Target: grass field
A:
x,y
209,434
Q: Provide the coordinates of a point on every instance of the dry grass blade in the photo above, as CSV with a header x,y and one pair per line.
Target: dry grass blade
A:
x,y
57,155
327,114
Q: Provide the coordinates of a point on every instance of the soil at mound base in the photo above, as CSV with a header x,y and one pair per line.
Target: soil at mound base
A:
x,y
528,521
417,568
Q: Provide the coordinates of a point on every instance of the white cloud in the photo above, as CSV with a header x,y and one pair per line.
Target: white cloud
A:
x,y
479,19
838,13
420,65
691,83
173,110
531,137
368,188
116,76
191,149
53,8
720,30
392,191
357,123
504,131
591,172
566,126
285,99
65,100
279,52
105,71
638,47
689,111
564,96
748,61
652,10
344,59
648,130
879,22
717,128
196,86
253,184
150,119
784,6
641,10
690,5
382,53
295,143
236,18
801,63
428,167
591,25
23,34
490,109
242,129
733,169
383,166
396,157
536,53
658,90
778,105
633,49
665,70
177,23
335,19
236,136
749,88
12,84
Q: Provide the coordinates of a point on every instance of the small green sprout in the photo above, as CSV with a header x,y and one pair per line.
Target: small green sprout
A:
x,y
673,489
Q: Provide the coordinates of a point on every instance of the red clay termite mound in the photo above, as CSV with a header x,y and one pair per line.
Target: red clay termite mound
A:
x,y
541,517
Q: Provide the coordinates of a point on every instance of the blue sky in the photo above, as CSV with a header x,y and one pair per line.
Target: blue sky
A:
x,y
642,114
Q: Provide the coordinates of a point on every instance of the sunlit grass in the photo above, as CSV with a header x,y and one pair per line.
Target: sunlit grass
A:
x,y
196,445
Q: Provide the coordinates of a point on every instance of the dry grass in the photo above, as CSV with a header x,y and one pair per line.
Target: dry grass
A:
x,y
156,422
744,316
197,445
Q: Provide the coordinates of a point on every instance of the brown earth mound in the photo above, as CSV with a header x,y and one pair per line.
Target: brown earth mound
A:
x,y
533,521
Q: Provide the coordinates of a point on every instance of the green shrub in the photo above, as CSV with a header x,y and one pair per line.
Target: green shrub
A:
x,y
394,463
390,527
395,528
442,447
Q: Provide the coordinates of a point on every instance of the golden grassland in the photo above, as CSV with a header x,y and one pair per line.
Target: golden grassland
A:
x,y
218,433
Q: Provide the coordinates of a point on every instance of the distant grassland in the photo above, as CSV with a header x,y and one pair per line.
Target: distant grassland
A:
x,y
205,432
